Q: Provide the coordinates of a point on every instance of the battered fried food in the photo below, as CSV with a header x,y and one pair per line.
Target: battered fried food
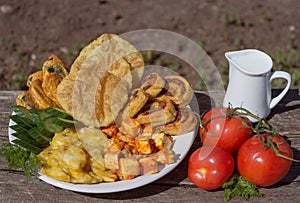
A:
x,y
185,122
162,111
153,84
55,65
100,79
178,90
54,71
25,100
77,157
43,85
49,85
34,76
38,96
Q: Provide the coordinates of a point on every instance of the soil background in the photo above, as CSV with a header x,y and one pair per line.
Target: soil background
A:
x,y
30,30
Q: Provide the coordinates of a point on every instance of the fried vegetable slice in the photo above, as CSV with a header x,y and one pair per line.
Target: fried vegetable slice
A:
x,y
54,65
94,142
38,96
49,85
34,76
25,100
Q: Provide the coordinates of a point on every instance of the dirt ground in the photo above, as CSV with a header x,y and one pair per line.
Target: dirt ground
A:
x,y
30,30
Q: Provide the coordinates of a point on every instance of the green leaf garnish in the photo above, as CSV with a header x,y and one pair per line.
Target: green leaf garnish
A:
x,y
19,158
238,186
34,130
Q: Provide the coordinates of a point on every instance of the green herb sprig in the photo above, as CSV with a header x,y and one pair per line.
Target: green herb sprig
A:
x,y
34,130
19,158
238,186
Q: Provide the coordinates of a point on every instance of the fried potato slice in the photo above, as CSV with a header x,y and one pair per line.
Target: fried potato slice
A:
x,y
58,173
99,170
95,142
99,81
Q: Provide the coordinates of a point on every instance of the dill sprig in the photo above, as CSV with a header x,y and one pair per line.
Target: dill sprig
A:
x,y
19,158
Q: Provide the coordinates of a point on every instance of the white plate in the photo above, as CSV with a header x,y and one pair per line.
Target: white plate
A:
x,y
181,147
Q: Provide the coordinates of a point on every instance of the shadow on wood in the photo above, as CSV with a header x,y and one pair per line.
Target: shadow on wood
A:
x,y
286,104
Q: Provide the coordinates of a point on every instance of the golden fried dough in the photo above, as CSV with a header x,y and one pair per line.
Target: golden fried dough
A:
x,y
136,102
49,85
185,122
38,96
100,79
178,90
153,84
34,76
54,65
160,112
114,95
25,100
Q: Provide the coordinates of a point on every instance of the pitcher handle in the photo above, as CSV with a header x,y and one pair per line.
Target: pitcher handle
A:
x,y
287,77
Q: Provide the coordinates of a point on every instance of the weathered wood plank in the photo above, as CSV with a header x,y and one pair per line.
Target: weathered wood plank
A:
x,y
175,186
21,189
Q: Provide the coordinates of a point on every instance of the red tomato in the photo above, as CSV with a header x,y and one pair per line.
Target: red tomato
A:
x,y
209,167
259,164
226,133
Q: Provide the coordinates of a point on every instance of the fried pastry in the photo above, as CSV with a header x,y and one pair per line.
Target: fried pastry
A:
x,y
185,122
178,90
25,100
100,79
153,84
136,102
162,111
54,65
34,76
49,85
38,96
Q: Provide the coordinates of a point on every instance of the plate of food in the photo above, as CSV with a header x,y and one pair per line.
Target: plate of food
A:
x,y
181,147
113,130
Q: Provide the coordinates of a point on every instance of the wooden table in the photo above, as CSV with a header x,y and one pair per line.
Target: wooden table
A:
x,y
175,186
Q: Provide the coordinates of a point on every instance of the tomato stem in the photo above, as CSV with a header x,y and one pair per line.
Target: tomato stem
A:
x,y
262,126
270,144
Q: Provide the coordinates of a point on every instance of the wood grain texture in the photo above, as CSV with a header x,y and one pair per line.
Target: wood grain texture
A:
x,y
175,186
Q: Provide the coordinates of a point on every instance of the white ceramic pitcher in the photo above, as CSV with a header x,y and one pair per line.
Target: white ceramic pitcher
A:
x,y
250,78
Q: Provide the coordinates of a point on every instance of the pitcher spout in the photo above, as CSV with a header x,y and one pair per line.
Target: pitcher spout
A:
x,y
250,61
